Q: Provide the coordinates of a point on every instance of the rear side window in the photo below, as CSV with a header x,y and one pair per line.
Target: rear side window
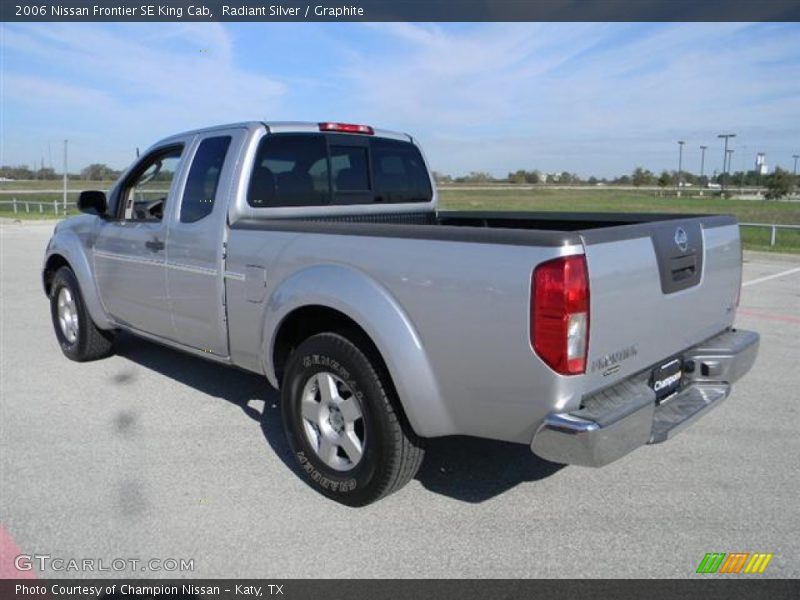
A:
x,y
290,170
399,173
203,179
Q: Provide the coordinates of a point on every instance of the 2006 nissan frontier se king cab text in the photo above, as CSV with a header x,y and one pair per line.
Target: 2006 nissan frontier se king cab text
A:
x,y
314,253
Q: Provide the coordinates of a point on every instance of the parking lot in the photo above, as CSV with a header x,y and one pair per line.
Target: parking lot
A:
x,y
152,454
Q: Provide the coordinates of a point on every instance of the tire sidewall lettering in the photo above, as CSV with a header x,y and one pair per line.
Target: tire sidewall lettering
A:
x,y
317,473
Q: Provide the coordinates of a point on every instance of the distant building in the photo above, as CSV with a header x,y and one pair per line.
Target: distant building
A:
x,y
551,177
761,164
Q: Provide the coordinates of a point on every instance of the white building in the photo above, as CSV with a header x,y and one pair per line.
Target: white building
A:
x,y
761,163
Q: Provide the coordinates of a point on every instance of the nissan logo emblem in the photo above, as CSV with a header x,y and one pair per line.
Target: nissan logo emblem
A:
x,y
681,239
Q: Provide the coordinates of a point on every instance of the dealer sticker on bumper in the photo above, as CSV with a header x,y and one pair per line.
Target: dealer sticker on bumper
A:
x,y
666,379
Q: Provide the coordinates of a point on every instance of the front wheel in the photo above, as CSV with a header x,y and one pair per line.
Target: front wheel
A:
x,y
342,422
80,339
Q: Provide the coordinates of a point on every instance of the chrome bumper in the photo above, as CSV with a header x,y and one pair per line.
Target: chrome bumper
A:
x,y
625,416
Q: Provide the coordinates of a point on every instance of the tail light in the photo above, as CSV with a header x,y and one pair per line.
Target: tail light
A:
x,y
347,128
559,320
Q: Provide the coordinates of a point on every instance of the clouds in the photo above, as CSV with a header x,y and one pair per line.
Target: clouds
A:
x,y
593,98
118,87
596,98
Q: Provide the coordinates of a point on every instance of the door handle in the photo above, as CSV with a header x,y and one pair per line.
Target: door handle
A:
x,y
154,245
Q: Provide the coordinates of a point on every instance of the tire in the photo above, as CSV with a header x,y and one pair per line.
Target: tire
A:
x,y
390,452
80,339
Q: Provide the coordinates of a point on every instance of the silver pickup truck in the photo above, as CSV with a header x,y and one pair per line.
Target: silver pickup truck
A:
x,y
314,254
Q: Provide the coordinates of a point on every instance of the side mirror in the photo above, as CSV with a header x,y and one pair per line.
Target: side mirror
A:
x,y
92,202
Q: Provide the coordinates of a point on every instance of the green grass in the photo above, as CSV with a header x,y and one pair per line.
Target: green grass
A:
x,y
9,190
53,184
599,200
593,200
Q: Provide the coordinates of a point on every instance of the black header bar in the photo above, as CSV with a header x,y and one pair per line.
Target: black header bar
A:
x,y
400,10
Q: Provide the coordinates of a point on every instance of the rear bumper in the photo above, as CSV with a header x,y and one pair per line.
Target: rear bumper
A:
x,y
625,416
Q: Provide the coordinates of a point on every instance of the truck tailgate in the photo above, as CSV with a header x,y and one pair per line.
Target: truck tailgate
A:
x,y
655,290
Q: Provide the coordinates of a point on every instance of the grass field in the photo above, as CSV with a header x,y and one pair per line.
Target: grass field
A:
x,y
746,211
603,200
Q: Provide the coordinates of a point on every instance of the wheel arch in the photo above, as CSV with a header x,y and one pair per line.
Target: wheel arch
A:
x,y
66,250
342,299
53,263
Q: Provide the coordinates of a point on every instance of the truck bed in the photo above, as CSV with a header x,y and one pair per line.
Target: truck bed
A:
x,y
462,280
548,228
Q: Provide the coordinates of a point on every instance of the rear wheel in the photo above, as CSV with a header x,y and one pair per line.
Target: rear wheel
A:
x,y
342,422
80,339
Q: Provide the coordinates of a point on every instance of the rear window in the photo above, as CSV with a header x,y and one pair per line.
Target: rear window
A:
x,y
290,170
314,169
350,168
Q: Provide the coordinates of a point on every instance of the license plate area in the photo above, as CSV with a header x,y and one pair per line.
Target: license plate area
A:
x,y
666,378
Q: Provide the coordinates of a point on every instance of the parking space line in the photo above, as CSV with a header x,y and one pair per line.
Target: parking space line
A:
x,y
768,316
769,277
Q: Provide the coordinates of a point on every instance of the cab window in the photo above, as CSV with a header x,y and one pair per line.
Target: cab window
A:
x,y
147,190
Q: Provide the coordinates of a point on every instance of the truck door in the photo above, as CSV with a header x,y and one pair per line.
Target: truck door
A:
x,y
195,242
129,250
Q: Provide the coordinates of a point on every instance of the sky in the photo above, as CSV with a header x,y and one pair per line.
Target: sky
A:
x,y
589,98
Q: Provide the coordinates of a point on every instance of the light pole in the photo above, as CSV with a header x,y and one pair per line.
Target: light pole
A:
x,y
729,168
65,176
680,164
725,156
795,157
702,167
741,177
702,160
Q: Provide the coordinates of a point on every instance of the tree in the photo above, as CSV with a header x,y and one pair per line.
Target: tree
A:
x,y
523,176
533,177
441,178
45,173
517,176
18,172
478,177
98,172
641,177
779,184
664,179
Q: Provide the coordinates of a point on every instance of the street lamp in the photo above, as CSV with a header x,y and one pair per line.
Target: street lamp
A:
x,y
725,155
795,157
680,164
702,160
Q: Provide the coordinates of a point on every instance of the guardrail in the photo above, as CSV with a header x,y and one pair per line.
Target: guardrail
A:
x,y
19,205
773,235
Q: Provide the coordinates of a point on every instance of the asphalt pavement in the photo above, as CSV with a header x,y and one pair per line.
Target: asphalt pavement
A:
x,y
152,454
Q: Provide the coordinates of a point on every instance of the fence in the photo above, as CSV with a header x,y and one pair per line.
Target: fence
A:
x,y
25,206
773,230
754,238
